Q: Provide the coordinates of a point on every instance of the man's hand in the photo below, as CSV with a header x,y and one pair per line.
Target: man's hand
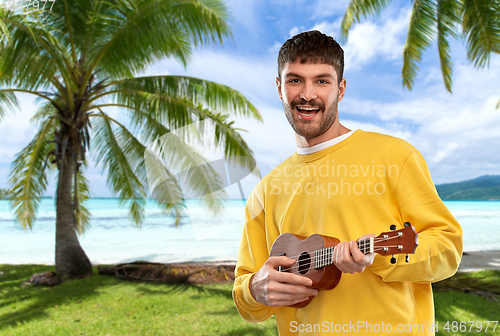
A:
x,y
275,289
349,259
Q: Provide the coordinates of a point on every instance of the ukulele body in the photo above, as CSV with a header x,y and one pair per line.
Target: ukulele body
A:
x,y
288,244
327,275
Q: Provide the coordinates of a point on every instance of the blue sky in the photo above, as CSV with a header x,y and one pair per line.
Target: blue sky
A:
x,y
458,134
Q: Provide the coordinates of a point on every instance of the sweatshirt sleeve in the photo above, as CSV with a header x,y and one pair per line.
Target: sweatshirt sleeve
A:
x,y
251,257
440,241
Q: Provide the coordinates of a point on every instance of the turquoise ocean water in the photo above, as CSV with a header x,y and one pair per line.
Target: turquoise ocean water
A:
x,y
113,239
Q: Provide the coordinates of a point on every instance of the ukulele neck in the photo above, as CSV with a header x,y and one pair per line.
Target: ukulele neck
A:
x,y
324,256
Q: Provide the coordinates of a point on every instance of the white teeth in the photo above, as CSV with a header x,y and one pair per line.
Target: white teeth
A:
x,y
308,108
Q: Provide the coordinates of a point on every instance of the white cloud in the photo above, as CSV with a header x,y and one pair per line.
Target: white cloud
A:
x,y
443,153
328,8
15,129
294,31
369,127
329,28
370,40
243,12
275,48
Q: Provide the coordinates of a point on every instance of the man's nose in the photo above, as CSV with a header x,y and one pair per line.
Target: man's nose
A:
x,y
308,93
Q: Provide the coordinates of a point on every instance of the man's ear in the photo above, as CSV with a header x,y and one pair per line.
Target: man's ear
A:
x,y
278,84
342,87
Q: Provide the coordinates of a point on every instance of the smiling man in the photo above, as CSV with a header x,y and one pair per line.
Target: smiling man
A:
x,y
308,88
345,184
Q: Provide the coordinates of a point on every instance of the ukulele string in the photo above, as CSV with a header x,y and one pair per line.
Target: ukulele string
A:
x,y
296,266
374,241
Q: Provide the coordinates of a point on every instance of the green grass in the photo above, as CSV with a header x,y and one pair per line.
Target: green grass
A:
x,y
460,306
103,305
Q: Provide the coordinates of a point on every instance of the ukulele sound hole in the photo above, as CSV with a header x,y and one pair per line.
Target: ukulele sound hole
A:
x,y
304,263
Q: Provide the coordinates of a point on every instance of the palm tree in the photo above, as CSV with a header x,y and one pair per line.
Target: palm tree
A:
x,y
80,59
478,21
4,194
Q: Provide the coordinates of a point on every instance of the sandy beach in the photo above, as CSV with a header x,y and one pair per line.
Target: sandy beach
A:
x,y
480,260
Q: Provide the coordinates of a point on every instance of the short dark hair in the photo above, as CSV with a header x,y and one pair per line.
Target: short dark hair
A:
x,y
312,46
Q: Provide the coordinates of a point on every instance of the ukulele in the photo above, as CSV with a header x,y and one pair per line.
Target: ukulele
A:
x,y
314,254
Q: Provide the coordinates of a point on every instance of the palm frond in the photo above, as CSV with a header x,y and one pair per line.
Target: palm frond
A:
x,y
139,32
172,99
163,186
135,152
447,19
8,101
74,24
357,8
28,178
236,150
481,26
5,37
171,158
121,178
34,56
421,33
45,111
148,126
162,93
168,195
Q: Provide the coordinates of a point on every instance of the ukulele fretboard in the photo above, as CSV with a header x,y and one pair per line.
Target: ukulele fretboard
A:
x,y
324,257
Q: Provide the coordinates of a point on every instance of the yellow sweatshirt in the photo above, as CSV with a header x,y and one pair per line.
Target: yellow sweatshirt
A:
x,y
360,185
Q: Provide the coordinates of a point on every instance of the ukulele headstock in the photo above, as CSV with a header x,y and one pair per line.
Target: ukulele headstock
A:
x,y
396,241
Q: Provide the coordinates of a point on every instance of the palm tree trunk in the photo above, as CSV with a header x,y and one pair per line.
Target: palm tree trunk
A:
x,y
71,260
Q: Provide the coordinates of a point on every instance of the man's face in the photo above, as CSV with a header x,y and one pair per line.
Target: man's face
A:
x,y
310,94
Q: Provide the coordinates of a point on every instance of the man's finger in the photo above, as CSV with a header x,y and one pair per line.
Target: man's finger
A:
x,y
288,302
355,252
359,257
291,278
297,290
275,262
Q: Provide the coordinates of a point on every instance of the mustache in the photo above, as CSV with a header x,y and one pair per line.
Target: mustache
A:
x,y
313,102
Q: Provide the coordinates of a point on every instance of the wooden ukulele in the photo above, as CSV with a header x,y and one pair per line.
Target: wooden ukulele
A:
x,y
314,254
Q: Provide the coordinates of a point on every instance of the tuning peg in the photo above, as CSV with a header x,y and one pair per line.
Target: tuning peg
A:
x,y
407,258
393,227
406,224
393,259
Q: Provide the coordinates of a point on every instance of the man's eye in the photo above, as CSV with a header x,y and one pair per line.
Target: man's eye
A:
x,y
295,80
322,81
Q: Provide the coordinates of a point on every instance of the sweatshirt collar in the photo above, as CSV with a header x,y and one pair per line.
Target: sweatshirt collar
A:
x,y
323,145
317,151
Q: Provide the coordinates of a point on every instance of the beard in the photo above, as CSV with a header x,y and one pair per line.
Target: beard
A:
x,y
309,128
